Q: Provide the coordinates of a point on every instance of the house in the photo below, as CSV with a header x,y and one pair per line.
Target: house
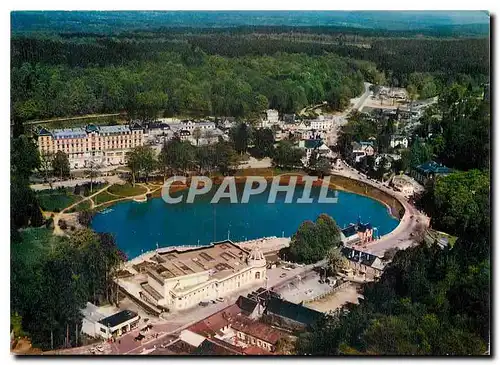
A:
x,y
361,149
429,172
96,324
251,308
271,118
176,347
321,123
226,123
358,233
291,316
399,141
315,145
258,334
236,327
215,347
363,263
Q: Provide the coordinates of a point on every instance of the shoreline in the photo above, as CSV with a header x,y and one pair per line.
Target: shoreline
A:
x,y
337,182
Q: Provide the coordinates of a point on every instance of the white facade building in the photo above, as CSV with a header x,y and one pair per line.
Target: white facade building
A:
x,y
98,325
183,279
399,140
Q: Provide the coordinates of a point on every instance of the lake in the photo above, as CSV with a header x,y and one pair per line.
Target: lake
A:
x,y
139,227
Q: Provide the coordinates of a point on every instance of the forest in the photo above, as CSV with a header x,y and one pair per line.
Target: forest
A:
x,y
231,72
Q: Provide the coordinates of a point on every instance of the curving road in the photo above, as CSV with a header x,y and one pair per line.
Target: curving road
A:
x,y
401,237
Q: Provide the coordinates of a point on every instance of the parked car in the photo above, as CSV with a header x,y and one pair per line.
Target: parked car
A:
x,y
283,275
213,301
203,304
220,299
139,337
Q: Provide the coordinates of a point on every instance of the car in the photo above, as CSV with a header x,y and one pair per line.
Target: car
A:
x,y
220,299
213,301
283,275
92,351
203,304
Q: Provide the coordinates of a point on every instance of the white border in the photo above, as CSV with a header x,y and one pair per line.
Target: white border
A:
x,y
9,5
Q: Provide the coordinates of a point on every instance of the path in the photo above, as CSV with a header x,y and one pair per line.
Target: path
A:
x,y
400,237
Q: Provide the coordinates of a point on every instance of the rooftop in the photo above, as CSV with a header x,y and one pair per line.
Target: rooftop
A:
x,y
118,318
313,143
69,133
223,257
364,258
259,330
434,167
295,312
210,326
214,346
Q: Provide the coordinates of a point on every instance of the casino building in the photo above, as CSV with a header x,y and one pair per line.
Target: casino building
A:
x,y
182,279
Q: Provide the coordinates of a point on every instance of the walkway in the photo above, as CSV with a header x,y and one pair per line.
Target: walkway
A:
x,y
58,231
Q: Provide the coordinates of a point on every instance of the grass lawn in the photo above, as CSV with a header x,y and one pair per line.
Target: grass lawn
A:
x,y
103,198
50,201
126,190
83,206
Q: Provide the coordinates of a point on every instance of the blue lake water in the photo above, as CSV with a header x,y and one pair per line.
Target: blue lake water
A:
x,y
140,226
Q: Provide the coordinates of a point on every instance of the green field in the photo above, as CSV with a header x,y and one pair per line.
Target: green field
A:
x,y
57,200
103,198
126,190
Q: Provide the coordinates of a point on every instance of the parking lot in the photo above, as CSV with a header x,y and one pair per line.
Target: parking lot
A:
x,y
303,288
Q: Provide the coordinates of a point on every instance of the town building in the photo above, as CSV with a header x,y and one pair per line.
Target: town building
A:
x,y
321,123
290,316
255,333
235,325
358,233
429,171
315,145
363,263
182,279
98,325
361,150
189,125
100,145
271,118
399,142
403,184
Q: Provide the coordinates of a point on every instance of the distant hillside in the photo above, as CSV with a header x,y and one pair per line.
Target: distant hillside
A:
x,y
116,21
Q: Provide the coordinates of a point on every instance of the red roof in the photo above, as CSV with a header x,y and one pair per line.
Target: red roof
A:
x,y
254,350
211,325
259,330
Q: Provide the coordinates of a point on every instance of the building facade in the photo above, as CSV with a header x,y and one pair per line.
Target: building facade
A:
x,y
183,279
101,145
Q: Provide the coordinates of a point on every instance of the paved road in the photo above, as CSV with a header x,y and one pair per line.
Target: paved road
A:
x,y
401,236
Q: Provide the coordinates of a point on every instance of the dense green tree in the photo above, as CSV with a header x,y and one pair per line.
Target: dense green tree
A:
x,y
141,160
60,164
240,136
263,143
313,240
287,156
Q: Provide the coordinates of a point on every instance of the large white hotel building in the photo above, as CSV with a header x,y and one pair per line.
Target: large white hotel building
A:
x,y
102,145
